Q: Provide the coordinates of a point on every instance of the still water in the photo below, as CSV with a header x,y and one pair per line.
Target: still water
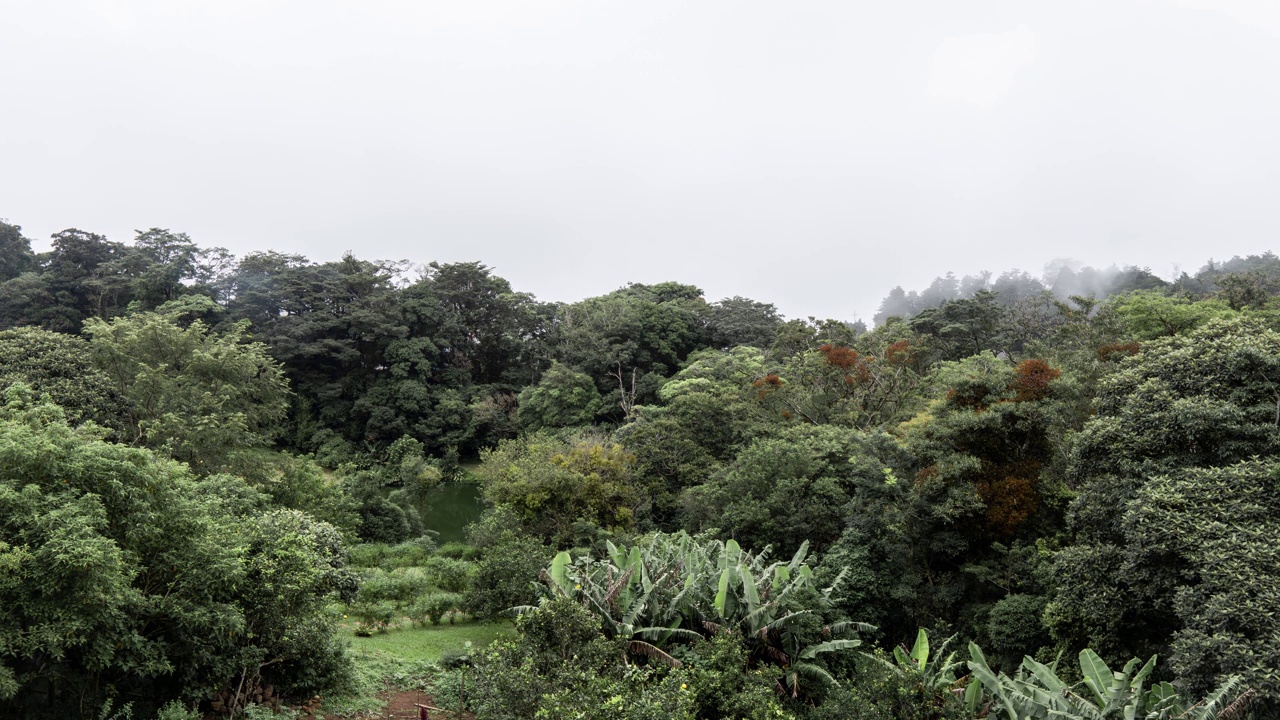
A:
x,y
450,507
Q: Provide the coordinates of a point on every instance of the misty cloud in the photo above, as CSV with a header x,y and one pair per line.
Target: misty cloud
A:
x,y
806,155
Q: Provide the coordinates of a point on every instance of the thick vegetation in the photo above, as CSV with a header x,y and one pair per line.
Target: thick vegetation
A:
x,y
1013,498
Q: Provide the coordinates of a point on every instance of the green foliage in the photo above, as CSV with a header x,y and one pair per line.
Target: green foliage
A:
x,y
299,484
1149,315
203,396
785,489
449,574
559,666
932,671
122,575
715,672
738,321
1203,400
434,606
1206,538
561,399
1015,628
961,328
458,551
674,588
982,459
508,566
551,483
175,710
60,366
1019,462
900,687
837,384
1036,692
15,252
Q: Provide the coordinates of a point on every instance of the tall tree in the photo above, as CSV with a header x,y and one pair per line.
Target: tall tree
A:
x,y
203,396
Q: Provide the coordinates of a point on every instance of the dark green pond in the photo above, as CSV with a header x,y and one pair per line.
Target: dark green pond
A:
x,y
450,507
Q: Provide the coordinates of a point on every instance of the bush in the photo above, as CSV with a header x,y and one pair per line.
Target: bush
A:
x,y
458,551
400,587
715,678
1014,628
372,617
434,606
381,520
874,692
509,565
412,553
450,575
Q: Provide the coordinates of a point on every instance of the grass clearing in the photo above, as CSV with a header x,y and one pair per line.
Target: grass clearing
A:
x,y
427,643
404,658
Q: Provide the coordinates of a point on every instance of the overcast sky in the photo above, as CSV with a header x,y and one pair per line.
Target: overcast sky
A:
x,y
810,154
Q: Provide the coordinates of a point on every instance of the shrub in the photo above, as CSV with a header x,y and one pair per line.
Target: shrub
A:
x,y
450,575
1014,628
458,551
434,606
175,710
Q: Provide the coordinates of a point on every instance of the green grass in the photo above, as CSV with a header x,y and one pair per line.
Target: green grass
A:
x,y
403,658
428,643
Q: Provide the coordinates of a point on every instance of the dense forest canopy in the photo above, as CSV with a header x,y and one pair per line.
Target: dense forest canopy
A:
x,y
716,511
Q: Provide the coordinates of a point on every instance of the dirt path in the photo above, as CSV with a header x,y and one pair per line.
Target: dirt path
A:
x,y
401,705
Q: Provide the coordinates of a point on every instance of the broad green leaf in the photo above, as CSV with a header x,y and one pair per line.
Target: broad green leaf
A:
x,y
558,574
1097,676
920,651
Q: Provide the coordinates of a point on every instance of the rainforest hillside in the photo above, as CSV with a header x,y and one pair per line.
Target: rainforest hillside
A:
x,y
215,470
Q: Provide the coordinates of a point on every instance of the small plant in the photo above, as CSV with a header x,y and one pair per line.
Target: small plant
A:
x,y
124,712
263,712
174,710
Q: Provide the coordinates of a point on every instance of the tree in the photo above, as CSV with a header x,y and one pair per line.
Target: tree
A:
x,y
836,384
1206,399
898,303
630,339
788,489
707,411
62,367
201,395
968,476
1148,314
123,575
551,484
15,252
165,262
1204,539
509,563
740,321
561,399
962,328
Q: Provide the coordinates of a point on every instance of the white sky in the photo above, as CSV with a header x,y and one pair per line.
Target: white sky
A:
x,y
808,154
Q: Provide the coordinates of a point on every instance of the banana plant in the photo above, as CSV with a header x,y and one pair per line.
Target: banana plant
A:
x,y
1036,692
931,670
677,587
